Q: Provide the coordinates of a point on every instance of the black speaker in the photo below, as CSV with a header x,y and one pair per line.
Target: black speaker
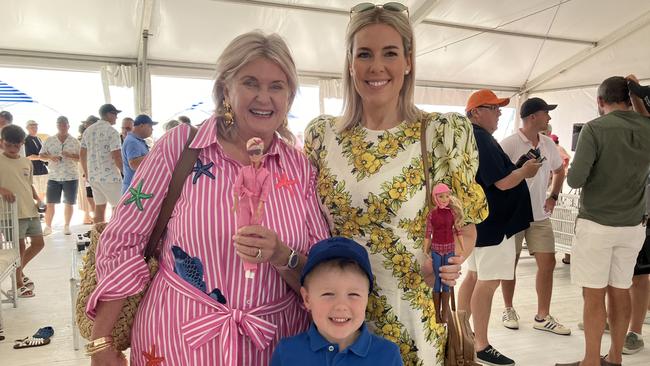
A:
x,y
577,127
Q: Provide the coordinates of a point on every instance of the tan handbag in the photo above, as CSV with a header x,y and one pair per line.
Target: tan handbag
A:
x,y
88,282
459,350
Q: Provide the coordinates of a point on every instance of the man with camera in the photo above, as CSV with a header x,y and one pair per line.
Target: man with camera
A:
x,y
493,259
529,143
611,166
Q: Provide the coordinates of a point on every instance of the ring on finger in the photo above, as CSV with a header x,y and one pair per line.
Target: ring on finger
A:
x,y
259,253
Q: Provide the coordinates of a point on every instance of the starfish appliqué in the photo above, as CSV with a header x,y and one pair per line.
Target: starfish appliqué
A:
x,y
201,169
284,181
137,196
151,358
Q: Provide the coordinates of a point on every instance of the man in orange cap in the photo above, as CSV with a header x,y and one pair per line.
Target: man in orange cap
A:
x,y
504,185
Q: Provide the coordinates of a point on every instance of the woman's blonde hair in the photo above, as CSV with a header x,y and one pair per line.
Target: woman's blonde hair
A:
x,y
242,50
352,105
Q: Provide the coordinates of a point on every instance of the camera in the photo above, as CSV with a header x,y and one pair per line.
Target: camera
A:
x,y
531,154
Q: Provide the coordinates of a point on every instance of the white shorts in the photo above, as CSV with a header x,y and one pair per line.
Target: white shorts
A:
x,y
40,184
106,192
495,262
605,255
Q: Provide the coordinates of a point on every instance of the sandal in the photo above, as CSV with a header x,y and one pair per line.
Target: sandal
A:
x,y
32,342
27,282
23,292
45,332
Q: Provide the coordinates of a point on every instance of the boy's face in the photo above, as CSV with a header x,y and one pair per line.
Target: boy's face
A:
x,y
337,299
11,149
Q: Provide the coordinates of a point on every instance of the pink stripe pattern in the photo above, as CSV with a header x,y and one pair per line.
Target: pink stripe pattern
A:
x,y
186,326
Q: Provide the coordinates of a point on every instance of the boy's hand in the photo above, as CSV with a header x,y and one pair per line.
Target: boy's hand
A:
x,y
7,195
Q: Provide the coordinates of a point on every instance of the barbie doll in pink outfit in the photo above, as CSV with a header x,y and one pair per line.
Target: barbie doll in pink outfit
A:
x,y
252,188
443,221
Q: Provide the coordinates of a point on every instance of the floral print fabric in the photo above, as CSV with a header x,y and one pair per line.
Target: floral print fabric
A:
x,y
372,185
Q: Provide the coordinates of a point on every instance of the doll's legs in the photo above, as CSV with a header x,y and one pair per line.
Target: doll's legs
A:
x,y
444,303
245,218
440,290
445,261
437,263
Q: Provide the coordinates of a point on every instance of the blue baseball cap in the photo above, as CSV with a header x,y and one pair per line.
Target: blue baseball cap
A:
x,y
334,248
142,119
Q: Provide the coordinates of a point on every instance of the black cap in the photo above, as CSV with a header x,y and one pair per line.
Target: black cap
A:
x,y
337,247
143,119
108,108
533,105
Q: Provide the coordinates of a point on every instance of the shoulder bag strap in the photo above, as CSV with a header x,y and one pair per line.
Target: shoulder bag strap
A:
x,y
425,159
427,182
181,171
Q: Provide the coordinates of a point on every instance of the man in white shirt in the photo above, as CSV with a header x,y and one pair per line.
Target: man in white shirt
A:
x,y
539,236
62,152
101,160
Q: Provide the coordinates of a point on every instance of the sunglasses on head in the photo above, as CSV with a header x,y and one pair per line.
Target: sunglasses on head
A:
x,y
391,6
255,152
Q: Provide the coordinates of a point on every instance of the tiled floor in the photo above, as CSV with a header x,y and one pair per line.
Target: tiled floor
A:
x,y
51,306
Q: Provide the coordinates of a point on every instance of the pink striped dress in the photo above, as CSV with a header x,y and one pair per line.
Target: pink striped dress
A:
x,y
176,323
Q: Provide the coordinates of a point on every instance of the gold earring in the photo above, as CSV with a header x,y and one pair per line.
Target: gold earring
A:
x,y
227,114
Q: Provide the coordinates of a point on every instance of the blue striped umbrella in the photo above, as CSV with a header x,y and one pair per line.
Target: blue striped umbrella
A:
x,y
11,95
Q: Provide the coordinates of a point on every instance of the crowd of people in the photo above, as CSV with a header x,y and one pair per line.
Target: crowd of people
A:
x,y
360,179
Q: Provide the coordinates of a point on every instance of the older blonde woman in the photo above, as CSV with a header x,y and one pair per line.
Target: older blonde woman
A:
x,y
371,176
178,323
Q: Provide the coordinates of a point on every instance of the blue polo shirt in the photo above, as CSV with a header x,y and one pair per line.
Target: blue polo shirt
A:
x,y
133,147
510,210
311,348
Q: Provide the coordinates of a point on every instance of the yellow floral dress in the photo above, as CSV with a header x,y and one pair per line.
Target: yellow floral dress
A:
x,y
372,185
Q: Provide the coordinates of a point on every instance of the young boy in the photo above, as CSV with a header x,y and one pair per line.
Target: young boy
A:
x,y
16,185
336,281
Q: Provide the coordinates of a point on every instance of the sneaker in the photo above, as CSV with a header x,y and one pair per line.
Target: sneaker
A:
x,y
47,231
633,344
549,324
66,230
510,319
581,326
490,356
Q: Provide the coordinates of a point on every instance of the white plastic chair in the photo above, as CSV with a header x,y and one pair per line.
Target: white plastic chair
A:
x,y
9,251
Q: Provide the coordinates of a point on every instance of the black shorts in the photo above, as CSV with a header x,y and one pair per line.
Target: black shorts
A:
x,y
89,192
642,266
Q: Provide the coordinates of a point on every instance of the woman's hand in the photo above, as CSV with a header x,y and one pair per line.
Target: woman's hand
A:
x,y
257,244
449,273
108,357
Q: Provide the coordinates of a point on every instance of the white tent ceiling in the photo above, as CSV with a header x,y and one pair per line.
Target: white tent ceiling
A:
x,y
510,45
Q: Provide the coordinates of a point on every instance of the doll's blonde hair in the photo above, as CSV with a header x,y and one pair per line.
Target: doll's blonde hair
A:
x,y
255,142
456,208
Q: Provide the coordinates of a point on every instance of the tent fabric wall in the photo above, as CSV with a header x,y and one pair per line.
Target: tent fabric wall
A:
x,y
461,44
